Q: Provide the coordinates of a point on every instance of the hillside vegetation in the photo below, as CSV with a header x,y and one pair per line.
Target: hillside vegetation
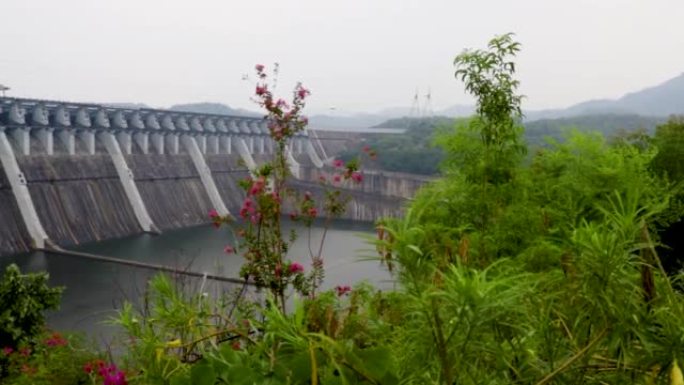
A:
x,y
415,150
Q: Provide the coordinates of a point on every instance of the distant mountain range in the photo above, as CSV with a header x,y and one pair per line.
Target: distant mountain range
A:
x,y
653,103
661,100
213,108
203,108
658,101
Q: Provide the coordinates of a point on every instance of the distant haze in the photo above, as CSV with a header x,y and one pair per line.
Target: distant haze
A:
x,y
355,55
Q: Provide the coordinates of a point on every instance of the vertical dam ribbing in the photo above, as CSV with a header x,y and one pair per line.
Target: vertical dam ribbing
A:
x,y
21,194
205,174
14,237
171,189
79,198
127,181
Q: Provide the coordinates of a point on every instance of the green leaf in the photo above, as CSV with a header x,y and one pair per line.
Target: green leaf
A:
x,y
378,362
203,373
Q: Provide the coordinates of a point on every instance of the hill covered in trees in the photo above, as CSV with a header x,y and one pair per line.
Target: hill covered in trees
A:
x,y
414,151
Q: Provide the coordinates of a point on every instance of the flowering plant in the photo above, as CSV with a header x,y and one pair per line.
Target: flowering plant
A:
x,y
261,239
52,359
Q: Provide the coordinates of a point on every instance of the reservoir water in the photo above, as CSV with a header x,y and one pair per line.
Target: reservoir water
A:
x,y
95,290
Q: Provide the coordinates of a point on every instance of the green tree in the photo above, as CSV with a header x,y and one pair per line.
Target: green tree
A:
x,y
669,138
24,299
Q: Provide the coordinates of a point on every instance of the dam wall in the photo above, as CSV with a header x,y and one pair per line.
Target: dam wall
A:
x,y
72,173
171,189
227,171
383,183
78,198
14,237
362,206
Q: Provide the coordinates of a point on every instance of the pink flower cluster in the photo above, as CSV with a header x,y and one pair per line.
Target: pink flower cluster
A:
x,y
110,374
296,267
216,219
284,118
258,186
343,289
55,339
348,171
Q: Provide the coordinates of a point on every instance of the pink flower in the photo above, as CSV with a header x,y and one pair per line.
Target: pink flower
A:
x,y
55,340
304,120
116,377
303,92
25,352
229,249
7,350
296,268
342,290
88,367
259,67
213,213
260,90
257,186
313,212
322,178
338,163
255,189
357,177
307,195
293,215
281,103
337,178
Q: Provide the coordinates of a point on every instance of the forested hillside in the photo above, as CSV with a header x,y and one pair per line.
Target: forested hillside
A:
x,y
415,152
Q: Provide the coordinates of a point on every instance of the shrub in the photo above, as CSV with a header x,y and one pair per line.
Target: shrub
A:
x,y
25,298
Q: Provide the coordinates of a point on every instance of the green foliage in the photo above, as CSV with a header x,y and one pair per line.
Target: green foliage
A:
x,y
488,75
25,298
537,131
534,272
410,152
414,151
314,344
175,328
669,138
51,360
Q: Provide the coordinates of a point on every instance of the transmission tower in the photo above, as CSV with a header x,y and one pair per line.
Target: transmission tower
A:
x,y
415,106
428,112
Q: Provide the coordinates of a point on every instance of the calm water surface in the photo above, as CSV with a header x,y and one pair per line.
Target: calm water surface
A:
x,y
94,290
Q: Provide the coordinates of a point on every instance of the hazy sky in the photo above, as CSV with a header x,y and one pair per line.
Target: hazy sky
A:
x,y
355,55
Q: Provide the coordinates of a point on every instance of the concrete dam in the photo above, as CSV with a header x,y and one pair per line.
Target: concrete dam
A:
x,y
73,173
